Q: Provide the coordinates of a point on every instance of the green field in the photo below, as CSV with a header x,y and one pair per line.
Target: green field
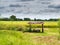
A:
x,y
12,25
10,36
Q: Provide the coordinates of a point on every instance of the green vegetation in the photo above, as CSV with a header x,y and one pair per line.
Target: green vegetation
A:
x,y
17,25
19,38
13,18
11,33
59,29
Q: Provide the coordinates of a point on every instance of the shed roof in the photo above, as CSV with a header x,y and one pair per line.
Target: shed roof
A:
x,y
36,22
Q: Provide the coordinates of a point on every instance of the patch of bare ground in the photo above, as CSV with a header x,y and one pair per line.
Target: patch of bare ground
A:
x,y
46,40
59,41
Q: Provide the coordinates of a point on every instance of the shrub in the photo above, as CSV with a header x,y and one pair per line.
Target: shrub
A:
x,y
36,30
25,29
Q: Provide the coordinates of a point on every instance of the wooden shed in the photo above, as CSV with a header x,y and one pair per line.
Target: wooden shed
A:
x,y
36,22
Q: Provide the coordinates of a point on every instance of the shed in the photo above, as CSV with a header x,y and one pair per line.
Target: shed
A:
x,y
36,22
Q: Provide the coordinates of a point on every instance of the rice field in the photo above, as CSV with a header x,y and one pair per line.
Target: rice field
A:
x,y
10,36
46,23
12,25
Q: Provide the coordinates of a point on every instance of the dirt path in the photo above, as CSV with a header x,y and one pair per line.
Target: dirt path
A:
x,y
46,40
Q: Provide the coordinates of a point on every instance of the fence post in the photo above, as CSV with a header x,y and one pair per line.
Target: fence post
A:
x,y
42,28
30,27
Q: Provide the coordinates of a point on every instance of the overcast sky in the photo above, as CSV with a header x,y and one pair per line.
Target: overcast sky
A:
x,y
43,9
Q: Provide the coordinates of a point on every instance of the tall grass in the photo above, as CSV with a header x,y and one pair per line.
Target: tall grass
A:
x,y
22,25
14,38
8,37
59,29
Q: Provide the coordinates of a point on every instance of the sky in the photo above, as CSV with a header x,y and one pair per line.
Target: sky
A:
x,y
40,9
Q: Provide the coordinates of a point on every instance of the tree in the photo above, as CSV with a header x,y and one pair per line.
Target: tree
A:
x,y
35,19
27,19
19,19
13,18
53,19
39,19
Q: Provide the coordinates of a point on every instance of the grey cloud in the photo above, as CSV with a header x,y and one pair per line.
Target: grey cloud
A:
x,y
15,5
30,7
2,7
25,0
45,3
52,11
7,0
54,6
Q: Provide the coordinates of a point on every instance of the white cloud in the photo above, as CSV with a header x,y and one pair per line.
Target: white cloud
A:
x,y
29,6
56,2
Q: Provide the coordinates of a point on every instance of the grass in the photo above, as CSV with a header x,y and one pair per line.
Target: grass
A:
x,y
46,23
59,29
10,37
15,25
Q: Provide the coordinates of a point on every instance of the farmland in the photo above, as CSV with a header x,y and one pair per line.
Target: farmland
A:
x,y
17,24
10,33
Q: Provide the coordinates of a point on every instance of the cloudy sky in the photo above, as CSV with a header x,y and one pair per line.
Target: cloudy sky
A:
x,y
43,9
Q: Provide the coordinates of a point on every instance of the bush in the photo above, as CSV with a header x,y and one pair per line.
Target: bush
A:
x,y
27,29
19,29
36,30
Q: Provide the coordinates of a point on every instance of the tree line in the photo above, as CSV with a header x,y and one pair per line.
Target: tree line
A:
x,y
13,18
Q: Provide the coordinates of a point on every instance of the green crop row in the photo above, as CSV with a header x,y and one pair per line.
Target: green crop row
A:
x,y
23,25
